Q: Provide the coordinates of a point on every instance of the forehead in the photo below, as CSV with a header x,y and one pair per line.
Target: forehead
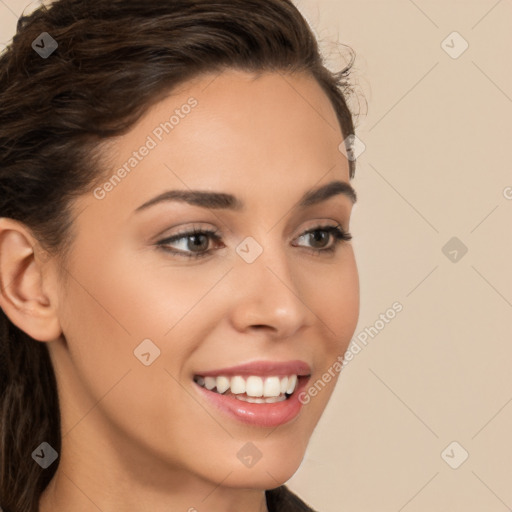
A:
x,y
251,133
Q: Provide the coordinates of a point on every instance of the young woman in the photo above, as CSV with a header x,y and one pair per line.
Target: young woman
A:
x,y
175,261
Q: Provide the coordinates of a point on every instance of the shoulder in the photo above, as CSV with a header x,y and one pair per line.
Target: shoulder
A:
x,y
281,499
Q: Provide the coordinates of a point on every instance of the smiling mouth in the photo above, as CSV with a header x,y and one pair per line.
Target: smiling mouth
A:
x,y
253,388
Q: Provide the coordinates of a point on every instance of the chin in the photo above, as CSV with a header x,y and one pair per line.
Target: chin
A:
x,y
262,479
274,468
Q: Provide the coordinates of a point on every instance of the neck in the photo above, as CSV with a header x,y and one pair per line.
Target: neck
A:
x,y
65,493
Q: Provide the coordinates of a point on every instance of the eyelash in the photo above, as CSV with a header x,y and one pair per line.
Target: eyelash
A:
x,y
337,232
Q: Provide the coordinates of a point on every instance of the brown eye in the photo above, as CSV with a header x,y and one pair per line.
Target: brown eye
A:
x,y
199,242
318,238
194,243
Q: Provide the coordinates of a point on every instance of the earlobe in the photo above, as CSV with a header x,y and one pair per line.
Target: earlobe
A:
x,y
22,295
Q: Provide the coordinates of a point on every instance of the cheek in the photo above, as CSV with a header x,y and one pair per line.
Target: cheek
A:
x,y
104,319
335,298
154,297
117,297
105,314
112,304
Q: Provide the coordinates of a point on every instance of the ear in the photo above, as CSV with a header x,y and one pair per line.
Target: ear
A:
x,y
22,283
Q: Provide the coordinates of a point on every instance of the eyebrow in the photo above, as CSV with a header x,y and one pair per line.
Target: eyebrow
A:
x,y
223,201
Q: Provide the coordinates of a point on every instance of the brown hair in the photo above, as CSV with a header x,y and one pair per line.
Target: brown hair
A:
x,y
115,59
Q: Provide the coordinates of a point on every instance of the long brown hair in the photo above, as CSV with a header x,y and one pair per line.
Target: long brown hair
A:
x,y
114,59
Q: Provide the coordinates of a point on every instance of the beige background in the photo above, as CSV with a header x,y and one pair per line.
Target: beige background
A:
x,y
436,166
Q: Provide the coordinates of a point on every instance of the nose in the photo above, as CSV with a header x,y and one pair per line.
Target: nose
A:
x,y
267,296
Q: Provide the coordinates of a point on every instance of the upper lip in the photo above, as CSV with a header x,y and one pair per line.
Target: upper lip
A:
x,y
264,368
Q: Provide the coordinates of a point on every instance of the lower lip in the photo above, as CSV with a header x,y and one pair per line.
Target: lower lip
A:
x,y
261,415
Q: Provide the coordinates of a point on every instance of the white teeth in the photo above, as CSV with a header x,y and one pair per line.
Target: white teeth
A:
x,y
253,385
210,382
272,387
284,385
237,385
222,384
292,381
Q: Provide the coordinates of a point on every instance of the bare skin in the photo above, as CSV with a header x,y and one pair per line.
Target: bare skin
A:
x,y
139,437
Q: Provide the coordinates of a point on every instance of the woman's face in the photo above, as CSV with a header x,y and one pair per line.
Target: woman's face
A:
x,y
143,319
